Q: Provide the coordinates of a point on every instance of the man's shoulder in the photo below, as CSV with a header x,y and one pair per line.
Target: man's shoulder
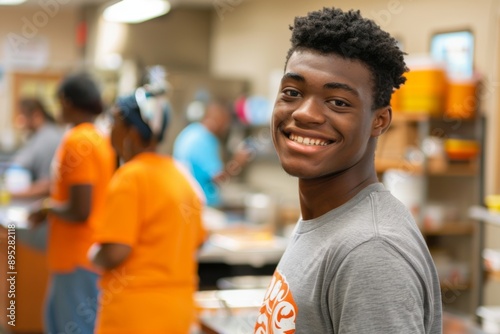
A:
x,y
191,129
195,137
49,134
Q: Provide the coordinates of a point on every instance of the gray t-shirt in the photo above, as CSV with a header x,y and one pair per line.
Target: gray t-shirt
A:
x,y
37,153
360,268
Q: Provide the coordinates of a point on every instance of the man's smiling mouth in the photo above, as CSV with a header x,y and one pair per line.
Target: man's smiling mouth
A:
x,y
308,140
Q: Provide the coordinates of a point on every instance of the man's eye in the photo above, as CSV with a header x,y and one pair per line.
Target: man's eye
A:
x,y
339,103
291,92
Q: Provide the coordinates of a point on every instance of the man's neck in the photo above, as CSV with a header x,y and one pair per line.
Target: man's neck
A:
x,y
210,126
319,196
83,117
38,124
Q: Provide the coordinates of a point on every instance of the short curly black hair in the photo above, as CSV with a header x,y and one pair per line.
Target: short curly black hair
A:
x,y
83,92
351,36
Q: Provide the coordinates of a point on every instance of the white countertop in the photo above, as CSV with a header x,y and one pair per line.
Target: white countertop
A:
x,y
229,311
256,254
15,212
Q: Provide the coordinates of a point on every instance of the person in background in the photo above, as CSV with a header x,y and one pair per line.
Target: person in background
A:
x,y
198,148
147,244
356,262
83,166
35,156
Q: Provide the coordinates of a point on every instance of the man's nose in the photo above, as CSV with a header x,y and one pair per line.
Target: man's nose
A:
x,y
310,111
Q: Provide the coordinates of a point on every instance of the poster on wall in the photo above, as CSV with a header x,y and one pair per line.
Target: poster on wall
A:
x,y
456,50
32,54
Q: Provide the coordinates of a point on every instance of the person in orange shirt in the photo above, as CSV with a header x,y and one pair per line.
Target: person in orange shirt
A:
x,y
82,168
152,229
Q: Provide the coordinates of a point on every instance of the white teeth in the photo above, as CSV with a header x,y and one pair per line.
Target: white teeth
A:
x,y
307,141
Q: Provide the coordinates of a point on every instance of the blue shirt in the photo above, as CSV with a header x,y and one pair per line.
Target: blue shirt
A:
x,y
198,149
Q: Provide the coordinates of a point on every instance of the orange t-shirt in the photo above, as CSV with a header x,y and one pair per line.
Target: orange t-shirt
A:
x,y
84,156
152,207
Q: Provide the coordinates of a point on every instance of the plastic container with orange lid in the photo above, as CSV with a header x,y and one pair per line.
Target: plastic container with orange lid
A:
x,y
425,88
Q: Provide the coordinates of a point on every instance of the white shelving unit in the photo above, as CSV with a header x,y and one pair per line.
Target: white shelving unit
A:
x,y
485,215
489,315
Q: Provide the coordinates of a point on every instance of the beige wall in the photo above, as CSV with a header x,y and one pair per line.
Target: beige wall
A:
x,y
60,29
251,39
495,122
179,40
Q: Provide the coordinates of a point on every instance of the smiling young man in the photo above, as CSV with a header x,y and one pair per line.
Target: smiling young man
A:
x,y
357,262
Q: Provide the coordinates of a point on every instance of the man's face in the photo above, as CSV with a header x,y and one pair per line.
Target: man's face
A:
x,y
322,118
65,115
23,121
119,131
221,118
29,120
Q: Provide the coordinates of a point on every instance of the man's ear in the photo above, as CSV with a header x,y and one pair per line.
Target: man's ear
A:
x,y
134,135
381,121
65,102
38,116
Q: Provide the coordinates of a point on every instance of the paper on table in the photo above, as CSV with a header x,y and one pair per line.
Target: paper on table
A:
x,y
248,241
14,215
244,298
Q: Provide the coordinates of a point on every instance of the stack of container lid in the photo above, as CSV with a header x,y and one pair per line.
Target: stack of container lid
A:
x,y
461,99
430,90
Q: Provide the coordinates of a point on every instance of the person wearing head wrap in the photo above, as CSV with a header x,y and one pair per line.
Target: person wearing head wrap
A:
x,y
147,114
81,169
152,229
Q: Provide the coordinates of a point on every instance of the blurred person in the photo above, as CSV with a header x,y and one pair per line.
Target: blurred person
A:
x,y
198,147
83,166
146,246
357,261
35,156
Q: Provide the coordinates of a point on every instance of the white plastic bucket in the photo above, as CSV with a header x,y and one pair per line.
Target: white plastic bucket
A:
x,y
491,318
17,179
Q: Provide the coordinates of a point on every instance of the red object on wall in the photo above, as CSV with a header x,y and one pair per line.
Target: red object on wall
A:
x,y
239,106
81,34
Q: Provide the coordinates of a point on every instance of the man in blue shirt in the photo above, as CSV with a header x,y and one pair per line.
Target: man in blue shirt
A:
x,y
198,148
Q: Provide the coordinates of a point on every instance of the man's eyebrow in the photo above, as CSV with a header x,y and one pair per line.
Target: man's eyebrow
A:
x,y
329,85
338,85
293,76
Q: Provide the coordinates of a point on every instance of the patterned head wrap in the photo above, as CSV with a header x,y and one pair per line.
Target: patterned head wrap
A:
x,y
149,114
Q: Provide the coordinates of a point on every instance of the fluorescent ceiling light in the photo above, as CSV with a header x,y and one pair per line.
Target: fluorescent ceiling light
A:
x,y
11,2
135,11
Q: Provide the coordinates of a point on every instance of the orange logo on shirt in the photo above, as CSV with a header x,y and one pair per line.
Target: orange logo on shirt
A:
x,y
279,311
